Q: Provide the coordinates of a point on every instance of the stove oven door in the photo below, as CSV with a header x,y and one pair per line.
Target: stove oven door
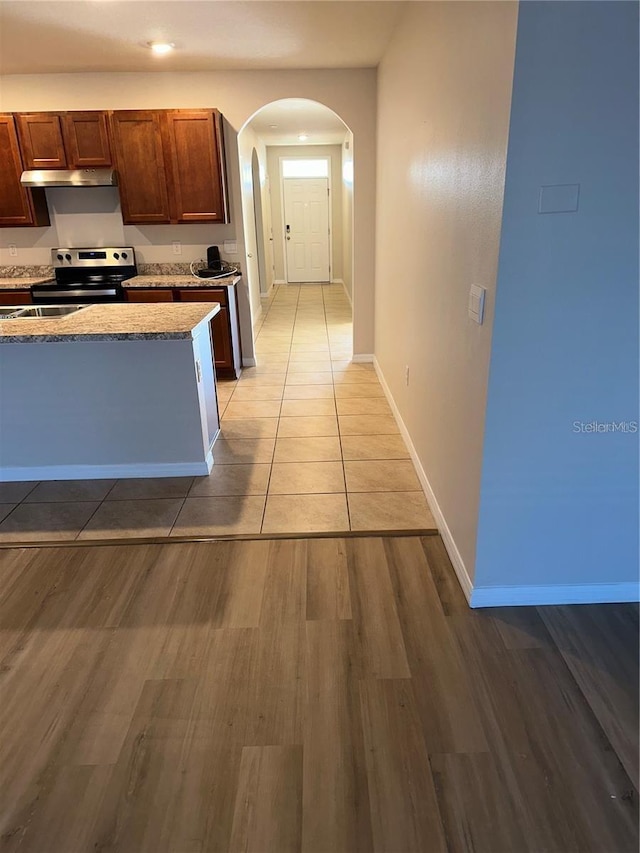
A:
x,y
79,294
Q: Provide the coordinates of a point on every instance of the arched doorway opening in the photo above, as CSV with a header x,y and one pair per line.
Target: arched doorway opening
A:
x,y
298,142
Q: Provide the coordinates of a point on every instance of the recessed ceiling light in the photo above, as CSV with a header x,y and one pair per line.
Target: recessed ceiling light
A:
x,y
273,126
160,48
302,137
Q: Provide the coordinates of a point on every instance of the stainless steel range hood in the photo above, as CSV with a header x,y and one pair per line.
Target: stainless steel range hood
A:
x,y
69,178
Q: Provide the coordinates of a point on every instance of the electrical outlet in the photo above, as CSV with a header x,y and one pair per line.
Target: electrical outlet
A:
x,y
177,247
13,250
406,374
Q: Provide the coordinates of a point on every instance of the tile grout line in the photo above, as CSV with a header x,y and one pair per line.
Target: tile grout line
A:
x,y
335,405
266,496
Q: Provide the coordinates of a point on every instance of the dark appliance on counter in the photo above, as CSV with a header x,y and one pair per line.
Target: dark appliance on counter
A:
x,y
85,276
213,259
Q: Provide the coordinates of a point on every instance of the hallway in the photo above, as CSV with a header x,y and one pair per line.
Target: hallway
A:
x,y
308,444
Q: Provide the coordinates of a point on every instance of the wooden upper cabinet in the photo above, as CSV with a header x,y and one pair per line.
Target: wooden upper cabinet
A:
x,y
19,206
86,139
41,140
139,158
195,165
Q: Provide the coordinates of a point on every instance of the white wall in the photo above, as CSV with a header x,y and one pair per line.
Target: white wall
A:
x,y
443,117
347,213
333,152
247,143
238,95
559,502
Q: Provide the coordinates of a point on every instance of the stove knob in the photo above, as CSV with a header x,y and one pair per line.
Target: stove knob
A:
x,y
59,257
116,255
68,257
124,256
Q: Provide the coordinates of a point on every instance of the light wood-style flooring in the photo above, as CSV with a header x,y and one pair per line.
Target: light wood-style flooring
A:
x,y
317,695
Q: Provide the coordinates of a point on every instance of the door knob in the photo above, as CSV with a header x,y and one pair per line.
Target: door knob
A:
x,y
249,255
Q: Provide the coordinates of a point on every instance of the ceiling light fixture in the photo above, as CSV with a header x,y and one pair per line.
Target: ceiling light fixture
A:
x,y
302,137
160,48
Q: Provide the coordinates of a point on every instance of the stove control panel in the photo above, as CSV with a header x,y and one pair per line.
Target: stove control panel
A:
x,y
123,256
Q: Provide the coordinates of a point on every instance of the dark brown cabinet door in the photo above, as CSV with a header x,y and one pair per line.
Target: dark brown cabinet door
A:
x,y
15,297
151,294
18,205
137,148
41,140
220,326
195,165
86,139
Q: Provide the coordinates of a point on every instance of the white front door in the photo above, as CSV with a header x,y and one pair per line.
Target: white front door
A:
x,y
306,216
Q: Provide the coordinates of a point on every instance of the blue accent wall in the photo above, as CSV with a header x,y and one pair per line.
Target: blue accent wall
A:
x,y
559,489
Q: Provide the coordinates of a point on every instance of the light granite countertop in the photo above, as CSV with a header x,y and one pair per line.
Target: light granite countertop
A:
x,y
113,322
22,282
179,281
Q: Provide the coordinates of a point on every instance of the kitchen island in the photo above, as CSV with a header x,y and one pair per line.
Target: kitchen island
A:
x,y
112,390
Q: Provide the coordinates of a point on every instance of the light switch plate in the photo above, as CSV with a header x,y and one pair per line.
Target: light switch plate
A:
x,y
230,247
559,198
476,303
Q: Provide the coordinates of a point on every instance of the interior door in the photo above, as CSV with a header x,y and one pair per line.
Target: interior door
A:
x,y
306,216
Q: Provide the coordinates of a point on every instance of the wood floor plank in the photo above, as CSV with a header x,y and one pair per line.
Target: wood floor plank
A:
x,y
134,679
285,591
600,647
440,682
39,703
327,580
404,807
521,628
336,811
144,780
550,752
268,811
450,593
477,811
66,829
244,577
381,643
13,564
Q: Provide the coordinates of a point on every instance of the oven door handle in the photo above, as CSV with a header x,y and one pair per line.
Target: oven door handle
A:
x,y
72,293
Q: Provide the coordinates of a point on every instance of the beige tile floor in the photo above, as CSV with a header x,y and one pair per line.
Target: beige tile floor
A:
x,y
308,444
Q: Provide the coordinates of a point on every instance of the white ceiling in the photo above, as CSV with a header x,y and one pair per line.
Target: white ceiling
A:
x,y
46,36
294,116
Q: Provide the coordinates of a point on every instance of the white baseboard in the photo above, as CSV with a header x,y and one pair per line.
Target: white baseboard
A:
x,y
278,281
346,293
592,593
362,358
102,472
443,528
506,596
337,281
248,362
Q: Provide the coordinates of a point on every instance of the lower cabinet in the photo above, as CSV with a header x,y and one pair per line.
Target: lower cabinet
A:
x,y
225,326
15,297
149,294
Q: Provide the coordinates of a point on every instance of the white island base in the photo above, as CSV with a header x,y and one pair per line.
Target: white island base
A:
x,y
86,408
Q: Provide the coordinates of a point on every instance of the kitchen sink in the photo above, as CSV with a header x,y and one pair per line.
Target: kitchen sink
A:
x,y
41,311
